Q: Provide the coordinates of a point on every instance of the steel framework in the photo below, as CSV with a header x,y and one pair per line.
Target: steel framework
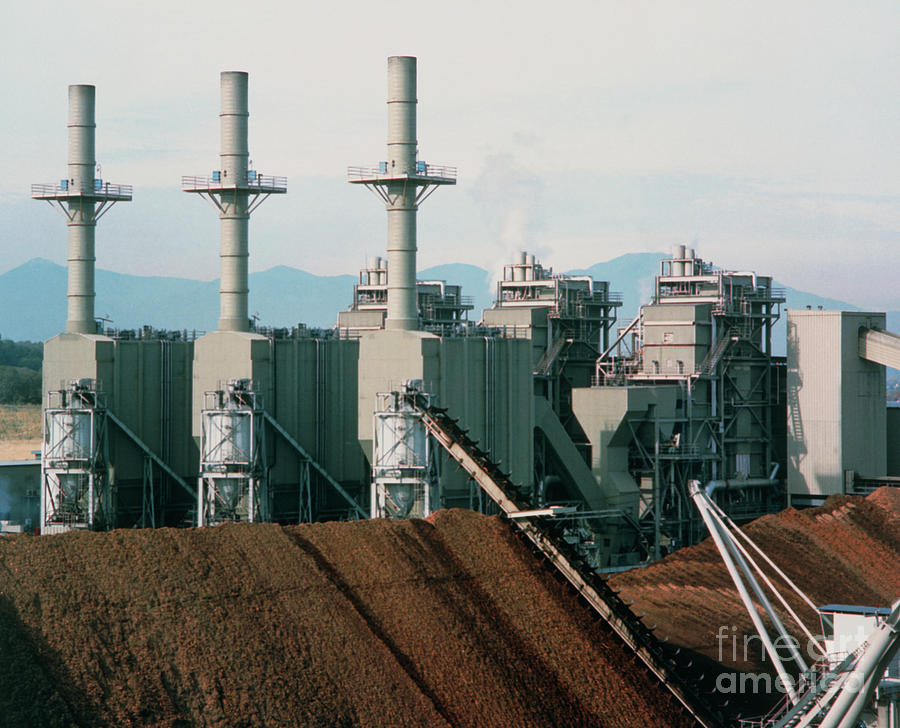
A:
x,y
730,393
75,491
232,485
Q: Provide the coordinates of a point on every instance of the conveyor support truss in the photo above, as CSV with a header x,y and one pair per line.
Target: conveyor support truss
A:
x,y
595,591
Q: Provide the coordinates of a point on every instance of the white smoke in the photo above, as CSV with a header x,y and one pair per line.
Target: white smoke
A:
x,y
510,199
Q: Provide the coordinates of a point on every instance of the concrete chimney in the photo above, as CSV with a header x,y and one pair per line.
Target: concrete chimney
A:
x,y
236,191
82,222
402,182
234,313
82,198
402,309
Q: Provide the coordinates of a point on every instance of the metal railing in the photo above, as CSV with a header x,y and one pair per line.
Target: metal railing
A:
x,y
436,171
262,182
105,189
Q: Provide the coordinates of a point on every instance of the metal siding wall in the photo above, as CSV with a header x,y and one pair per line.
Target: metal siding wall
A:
x,y
863,401
134,397
814,372
840,398
315,400
892,419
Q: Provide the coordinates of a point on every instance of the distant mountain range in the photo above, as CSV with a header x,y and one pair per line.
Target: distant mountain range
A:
x,y
33,296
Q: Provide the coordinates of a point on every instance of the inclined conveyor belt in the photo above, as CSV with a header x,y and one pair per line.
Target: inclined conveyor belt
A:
x,y
589,585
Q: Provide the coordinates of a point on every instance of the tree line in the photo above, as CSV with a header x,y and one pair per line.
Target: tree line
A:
x,y
20,371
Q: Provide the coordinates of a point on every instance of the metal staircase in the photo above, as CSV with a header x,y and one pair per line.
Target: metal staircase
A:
x,y
708,365
545,364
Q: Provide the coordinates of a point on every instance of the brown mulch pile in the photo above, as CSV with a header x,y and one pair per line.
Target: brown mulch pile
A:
x,y
449,622
846,551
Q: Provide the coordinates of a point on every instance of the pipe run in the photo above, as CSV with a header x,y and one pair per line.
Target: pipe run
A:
x,y
738,483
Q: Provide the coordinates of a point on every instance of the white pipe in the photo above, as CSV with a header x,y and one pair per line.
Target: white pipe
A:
x,y
678,260
885,646
714,530
739,554
590,282
744,537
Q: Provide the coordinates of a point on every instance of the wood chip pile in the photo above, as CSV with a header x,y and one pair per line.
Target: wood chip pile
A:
x,y
449,622
846,552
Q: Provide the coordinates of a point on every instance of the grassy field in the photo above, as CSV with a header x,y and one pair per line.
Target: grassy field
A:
x,y
20,431
20,421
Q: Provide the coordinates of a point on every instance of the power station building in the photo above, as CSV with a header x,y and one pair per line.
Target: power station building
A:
x,y
611,419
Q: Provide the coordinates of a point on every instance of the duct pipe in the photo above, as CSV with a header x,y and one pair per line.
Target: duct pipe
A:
x,y
402,311
689,256
678,260
519,269
714,485
749,273
235,217
82,222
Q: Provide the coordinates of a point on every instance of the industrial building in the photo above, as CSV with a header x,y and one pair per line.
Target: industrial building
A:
x,y
837,419
605,418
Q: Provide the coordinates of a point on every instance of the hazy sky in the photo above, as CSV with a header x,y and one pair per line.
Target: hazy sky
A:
x,y
766,134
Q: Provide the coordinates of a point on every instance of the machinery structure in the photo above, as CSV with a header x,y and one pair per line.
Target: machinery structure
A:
x,y
404,470
75,488
836,691
690,390
572,308
609,422
441,307
584,437
232,484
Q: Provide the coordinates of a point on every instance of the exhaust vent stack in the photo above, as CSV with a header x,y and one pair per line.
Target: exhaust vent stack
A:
x,y
83,197
402,182
235,191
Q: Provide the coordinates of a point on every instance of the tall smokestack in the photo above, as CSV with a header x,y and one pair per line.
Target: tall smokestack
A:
x,y
236,191
82,224
402,311
234,312
82,198
402,182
